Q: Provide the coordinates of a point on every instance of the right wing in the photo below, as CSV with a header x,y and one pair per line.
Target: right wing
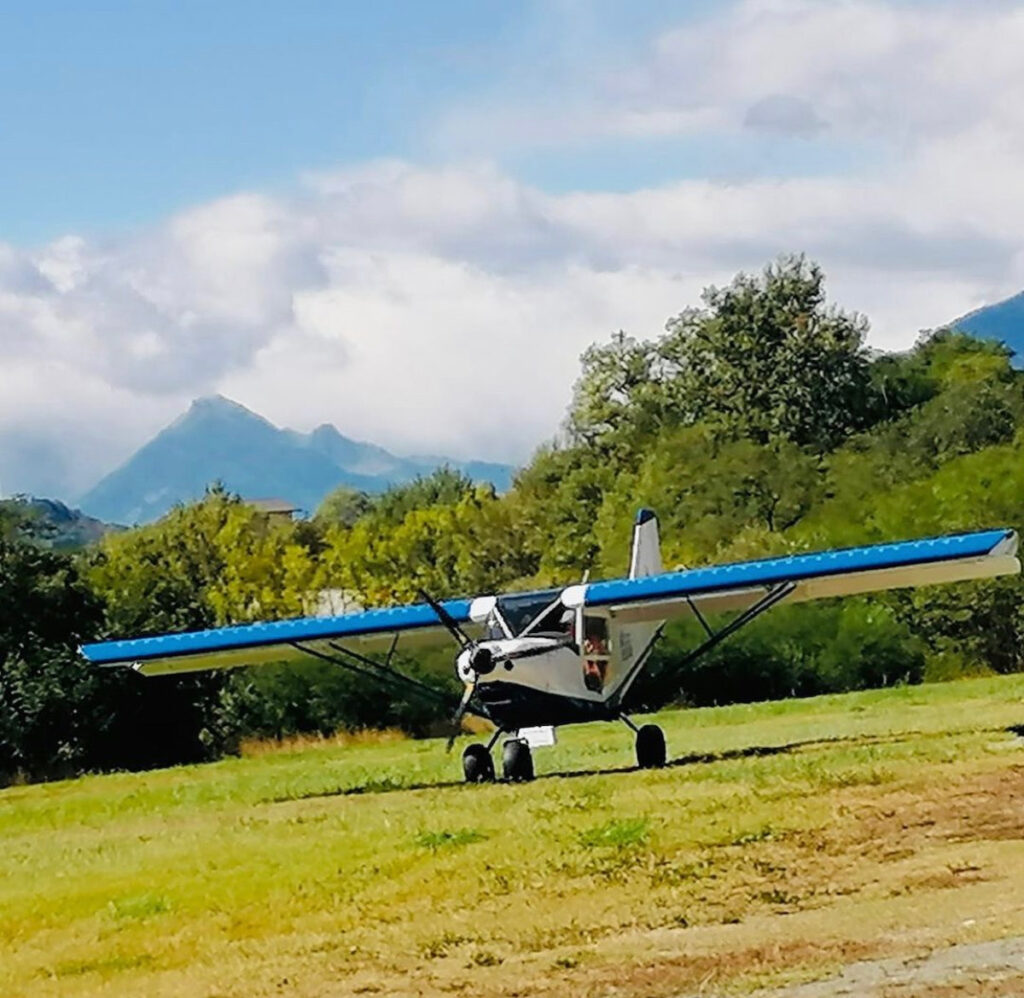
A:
x,y
279,641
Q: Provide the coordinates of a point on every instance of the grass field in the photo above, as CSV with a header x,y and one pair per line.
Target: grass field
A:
x,y
783,841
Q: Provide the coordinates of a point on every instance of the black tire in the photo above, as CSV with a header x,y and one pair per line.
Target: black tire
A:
x,y
651,752
517,761
477,764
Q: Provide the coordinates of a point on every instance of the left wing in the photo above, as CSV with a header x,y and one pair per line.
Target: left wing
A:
x,y
280,641
840,572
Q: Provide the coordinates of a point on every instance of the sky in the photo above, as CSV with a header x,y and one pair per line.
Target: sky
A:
x,y
410,219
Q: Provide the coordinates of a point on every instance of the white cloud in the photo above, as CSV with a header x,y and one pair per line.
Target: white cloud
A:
x,y
895,72
784,115
444,309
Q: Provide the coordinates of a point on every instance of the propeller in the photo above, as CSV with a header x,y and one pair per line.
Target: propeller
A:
x,y
481,660
451,624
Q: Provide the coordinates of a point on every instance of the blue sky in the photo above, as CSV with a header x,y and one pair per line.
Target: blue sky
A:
x,y
115,113
410,219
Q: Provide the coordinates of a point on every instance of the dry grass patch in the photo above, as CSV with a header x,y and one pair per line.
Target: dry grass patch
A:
x,y
253,748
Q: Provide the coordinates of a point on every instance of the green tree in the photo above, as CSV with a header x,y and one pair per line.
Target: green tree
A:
x,y
343,507
442,486
217,561
768,356
48,718
619,398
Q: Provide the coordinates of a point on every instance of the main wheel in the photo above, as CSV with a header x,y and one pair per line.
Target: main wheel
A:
x,y
477,764
517,761
650,747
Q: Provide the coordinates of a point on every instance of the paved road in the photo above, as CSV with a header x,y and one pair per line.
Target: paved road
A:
x,y
968,970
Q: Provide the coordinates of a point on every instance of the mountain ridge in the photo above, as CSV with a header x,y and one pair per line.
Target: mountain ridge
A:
x,y
1003,320
54,523
218,439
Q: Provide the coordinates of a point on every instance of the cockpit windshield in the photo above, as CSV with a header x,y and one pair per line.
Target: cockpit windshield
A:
x,y
542,609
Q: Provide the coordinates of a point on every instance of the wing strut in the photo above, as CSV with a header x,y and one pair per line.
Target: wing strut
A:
x,y
696,612
776,594
382,672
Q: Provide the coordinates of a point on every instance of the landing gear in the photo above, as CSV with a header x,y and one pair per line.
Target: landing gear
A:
x,y
517,761
651,752
477,764
650,747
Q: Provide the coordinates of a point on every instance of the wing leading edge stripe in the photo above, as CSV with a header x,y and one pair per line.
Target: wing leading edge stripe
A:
x,y
798,567
279,632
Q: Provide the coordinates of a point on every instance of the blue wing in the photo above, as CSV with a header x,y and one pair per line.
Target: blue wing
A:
x,y
257,644
839,572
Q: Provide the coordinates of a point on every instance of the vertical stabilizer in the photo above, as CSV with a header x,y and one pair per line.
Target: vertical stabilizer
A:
x,y
632,642
646,556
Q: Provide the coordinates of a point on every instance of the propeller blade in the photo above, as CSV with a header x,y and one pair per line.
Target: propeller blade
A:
x,y
447,619
459,714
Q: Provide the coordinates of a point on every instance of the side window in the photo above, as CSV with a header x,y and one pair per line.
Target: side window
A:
x,y
596,651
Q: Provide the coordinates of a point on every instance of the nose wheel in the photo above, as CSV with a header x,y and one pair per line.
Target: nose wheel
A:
x,y
516,762
477,764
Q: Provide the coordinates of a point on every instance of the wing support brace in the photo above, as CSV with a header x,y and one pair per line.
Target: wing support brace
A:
x,y
696,612
382,672
776,594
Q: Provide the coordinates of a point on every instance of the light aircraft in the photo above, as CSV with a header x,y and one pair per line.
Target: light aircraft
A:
x,y
533,661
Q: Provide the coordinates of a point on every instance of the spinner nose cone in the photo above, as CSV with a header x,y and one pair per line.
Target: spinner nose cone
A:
x,y
481,660
474,662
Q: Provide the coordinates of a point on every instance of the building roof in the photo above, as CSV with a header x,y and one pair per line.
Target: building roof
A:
x,y
271,506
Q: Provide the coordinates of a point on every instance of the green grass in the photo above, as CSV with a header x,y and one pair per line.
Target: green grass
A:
x,y
352,869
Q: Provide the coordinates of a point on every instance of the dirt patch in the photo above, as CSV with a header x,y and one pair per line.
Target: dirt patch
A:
x,y
807,900
987,805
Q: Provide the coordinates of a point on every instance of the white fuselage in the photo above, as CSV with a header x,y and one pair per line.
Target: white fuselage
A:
x,y
547,665
556,670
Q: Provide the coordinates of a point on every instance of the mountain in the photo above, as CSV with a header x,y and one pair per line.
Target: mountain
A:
x,y
220,440
1002,321
51,522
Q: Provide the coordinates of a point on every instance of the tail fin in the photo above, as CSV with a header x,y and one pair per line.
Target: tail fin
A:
x,y
646,556
633,642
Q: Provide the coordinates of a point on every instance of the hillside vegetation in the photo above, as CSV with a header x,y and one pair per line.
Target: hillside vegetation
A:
x,y
758,423
880,824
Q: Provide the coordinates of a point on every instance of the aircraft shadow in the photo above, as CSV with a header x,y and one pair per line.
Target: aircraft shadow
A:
x,y
691,759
